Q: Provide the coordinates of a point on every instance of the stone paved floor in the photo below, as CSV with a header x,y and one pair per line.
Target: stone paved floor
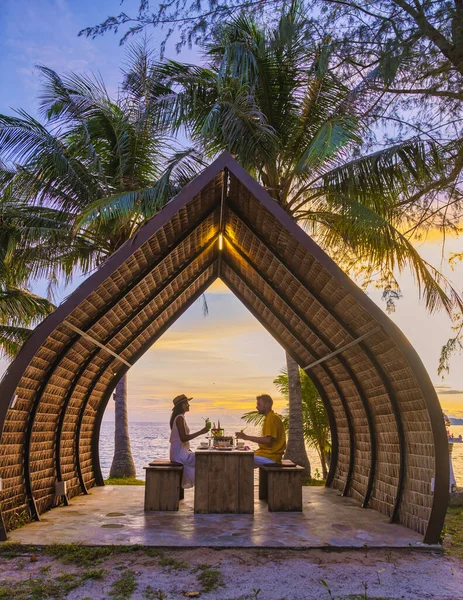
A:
x,y
114,515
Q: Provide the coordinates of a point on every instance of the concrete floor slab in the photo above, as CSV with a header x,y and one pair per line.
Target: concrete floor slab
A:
x,y
114,515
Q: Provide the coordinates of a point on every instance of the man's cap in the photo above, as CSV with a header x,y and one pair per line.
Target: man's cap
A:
x,y
179,399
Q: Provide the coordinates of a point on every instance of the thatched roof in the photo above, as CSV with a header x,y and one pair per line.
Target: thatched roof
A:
x,y
389,440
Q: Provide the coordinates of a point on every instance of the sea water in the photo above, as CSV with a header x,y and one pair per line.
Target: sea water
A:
x,y
151,440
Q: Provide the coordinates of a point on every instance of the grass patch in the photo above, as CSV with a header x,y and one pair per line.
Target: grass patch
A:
x,y
40,588
316,482
152,594
124,587
453,532
81,556
123,481
94,574
209,578
11,550
172,563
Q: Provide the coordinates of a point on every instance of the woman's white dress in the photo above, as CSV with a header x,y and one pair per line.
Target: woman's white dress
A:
x,y
180,452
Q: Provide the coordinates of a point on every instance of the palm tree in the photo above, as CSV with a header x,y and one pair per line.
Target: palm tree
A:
x,y
22,257
92,150
267,96
316,426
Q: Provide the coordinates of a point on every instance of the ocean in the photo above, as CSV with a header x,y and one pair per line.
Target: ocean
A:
x,y
151,440
457,455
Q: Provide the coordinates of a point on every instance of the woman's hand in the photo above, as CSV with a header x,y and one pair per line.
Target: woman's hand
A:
x,y
241,436
204,430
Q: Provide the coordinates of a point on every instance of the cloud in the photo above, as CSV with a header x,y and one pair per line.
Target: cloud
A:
x,y
446,390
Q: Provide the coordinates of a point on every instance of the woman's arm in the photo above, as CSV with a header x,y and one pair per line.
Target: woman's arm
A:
x,y
186,437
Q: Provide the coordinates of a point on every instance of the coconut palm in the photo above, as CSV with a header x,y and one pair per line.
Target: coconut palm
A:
x,y
22,257
316,426
267,96
92,149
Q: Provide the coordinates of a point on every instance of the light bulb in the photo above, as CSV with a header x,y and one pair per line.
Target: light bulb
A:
x,y
220,241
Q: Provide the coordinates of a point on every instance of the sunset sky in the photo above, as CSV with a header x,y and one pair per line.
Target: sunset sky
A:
x,y
226,358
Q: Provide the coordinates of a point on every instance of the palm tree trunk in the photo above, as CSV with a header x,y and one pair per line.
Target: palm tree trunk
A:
x,y
324,463
122,465
295,449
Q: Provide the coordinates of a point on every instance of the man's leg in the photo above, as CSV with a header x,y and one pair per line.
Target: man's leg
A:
x,y
260,461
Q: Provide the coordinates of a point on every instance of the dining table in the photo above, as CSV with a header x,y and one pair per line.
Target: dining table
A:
x,y
224,481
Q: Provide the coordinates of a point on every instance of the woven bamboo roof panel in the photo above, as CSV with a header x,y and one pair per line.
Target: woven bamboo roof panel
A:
x,y
389,444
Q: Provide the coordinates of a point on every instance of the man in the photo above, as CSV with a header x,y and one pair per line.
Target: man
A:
x,y
272,443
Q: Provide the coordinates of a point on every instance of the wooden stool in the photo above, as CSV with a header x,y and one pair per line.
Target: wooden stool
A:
x,y
263,479
281,485
163,488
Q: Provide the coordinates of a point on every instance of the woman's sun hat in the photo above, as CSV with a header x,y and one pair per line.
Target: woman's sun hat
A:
x,y
179,399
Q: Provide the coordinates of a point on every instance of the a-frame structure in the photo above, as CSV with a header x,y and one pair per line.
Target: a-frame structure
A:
x,y
389,441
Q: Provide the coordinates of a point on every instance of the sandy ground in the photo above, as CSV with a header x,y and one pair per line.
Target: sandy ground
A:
x,y
240,574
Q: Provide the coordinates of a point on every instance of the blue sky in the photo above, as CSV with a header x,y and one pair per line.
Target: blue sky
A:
x,y
225,359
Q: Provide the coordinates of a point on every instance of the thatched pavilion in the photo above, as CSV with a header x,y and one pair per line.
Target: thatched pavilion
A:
x,y
389,442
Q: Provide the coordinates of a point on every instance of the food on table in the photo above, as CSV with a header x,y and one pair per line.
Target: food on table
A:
x,y
223,441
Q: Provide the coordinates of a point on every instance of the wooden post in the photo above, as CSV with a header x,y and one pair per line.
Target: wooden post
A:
x,y
263,484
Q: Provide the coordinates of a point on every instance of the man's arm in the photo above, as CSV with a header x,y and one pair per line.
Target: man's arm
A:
x,y
266,440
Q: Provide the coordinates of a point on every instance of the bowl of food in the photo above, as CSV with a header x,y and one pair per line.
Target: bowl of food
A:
x,y
223,441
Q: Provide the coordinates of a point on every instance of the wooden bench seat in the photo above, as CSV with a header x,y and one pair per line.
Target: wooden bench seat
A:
x,y
163,488
281,486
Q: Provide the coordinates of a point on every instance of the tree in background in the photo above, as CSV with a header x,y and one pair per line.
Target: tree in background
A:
x,y
408,53
91,149
25,253
316,427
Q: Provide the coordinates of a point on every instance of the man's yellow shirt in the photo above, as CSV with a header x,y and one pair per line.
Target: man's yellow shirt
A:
x,y
273,426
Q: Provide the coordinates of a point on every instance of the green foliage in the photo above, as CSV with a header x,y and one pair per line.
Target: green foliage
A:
x,y
172,564
81,556
76,186
403,76
123,481
124,587
152,594
453,538
209,578
41,588
11,550
315,418
271,97
17,519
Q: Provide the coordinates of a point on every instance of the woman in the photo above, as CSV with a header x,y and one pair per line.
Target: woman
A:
x,y
180,439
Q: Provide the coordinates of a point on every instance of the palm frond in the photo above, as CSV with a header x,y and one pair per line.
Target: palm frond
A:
x,y
22,306
11,340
